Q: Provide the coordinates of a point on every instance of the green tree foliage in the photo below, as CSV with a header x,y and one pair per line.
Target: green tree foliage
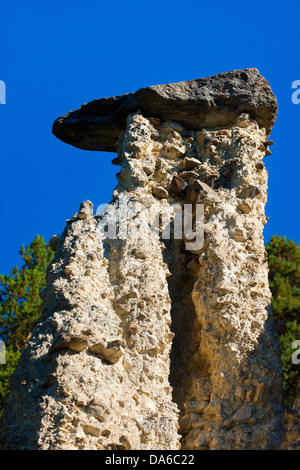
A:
x,y
20,304
284,279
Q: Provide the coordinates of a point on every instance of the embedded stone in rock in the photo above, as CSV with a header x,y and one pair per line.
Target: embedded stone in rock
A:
x,y
142,200
244,208
195,406
188,175
91,430
53,242
250,192
259,166
85,210
204,192
243,414
178,185
187,422
111,353
76,343
189,163
126,443
160,192
97,409
204,102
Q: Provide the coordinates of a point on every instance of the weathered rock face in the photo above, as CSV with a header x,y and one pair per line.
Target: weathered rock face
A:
x,y
95,372
103,369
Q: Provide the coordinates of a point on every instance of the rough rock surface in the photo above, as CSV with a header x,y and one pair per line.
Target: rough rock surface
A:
x,y
149,340
292,425
204,102
95,372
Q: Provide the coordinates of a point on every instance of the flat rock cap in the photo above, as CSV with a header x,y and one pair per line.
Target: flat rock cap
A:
x,y
204,102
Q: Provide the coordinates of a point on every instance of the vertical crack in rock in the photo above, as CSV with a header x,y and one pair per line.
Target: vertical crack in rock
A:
x,y
149,339
235,375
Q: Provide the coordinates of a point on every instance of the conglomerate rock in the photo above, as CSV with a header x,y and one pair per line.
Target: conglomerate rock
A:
x,y
158,334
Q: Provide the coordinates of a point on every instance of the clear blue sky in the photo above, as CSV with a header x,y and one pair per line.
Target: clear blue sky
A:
x,y
58,55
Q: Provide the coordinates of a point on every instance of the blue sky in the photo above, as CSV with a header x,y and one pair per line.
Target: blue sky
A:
x,y
56,56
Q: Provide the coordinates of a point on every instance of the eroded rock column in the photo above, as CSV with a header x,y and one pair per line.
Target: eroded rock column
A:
x,y
225,362
237,403
95,373
148,340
